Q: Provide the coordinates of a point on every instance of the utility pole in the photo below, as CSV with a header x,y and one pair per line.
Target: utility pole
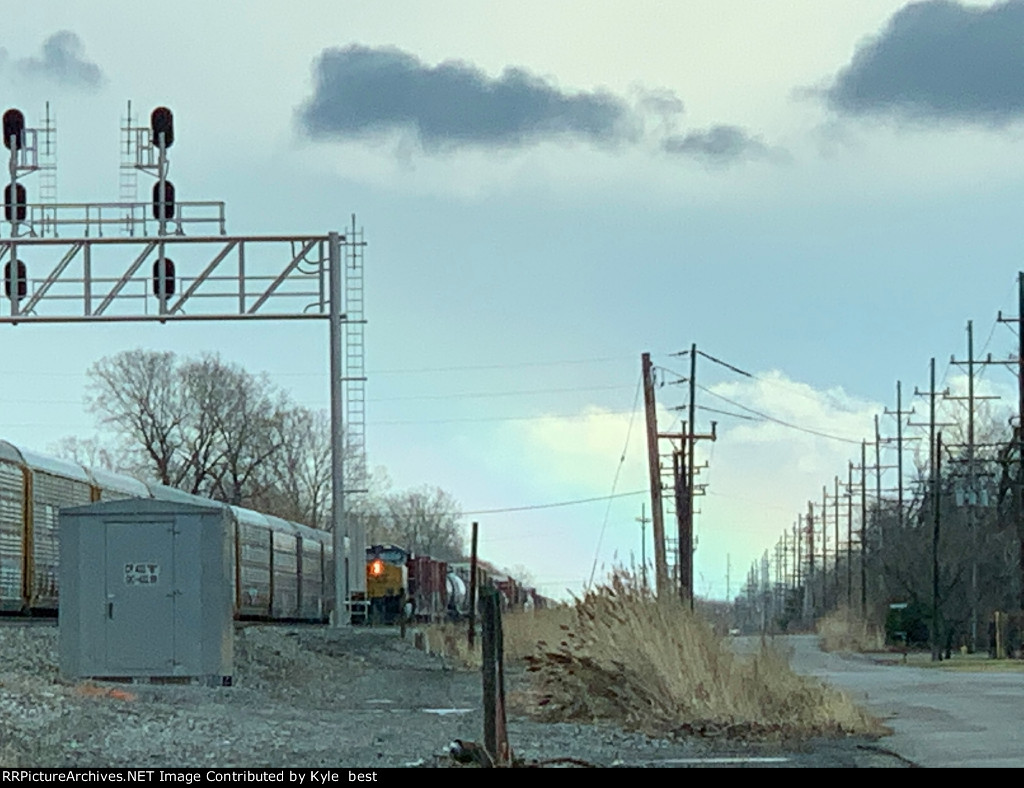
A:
x,y
863,530
654,469
689,438
835,500
796,556
643,520
810,552
935,483
877,468
899,413
849,536
1019,320
970,498
824,548
936,513
687,545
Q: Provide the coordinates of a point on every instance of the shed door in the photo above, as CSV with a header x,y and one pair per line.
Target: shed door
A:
x,y
140,596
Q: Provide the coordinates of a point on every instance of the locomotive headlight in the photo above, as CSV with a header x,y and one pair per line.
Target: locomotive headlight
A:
x,y
377,567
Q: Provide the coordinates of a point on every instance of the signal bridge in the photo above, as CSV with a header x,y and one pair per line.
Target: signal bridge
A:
x,y
135,261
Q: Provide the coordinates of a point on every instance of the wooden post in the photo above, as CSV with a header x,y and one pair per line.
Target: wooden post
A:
x,y
493,670
472,590
488,604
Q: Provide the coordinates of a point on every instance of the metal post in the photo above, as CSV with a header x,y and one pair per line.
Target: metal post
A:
x,y
162,183
339,523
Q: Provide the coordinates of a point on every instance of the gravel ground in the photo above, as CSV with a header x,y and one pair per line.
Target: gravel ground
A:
x,y
316,697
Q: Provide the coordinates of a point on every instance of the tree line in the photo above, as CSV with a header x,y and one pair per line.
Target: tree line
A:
x,y
211,428
974,494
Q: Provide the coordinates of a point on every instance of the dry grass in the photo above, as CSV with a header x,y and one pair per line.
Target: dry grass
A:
x,y
845,630
653,666
521,632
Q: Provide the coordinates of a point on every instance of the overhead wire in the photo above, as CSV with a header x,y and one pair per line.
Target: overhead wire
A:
x,y
615,480
573,502
775,420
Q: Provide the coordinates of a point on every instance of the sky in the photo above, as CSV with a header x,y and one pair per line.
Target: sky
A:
x,y
818,194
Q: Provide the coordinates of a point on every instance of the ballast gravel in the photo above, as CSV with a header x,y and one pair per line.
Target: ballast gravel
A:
x,y
305,696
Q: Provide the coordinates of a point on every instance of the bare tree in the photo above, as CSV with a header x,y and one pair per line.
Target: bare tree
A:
x,y
89,452
137,394
425,521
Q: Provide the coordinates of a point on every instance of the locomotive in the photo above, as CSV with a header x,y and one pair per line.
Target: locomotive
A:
x,y
399,583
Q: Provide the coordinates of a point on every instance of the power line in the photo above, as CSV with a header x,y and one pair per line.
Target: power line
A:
x,y
779,421
737,370
554,505
600,414
728,413
417,370
485,394
615,481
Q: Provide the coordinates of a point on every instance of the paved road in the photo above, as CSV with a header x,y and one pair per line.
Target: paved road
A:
x,y
938,718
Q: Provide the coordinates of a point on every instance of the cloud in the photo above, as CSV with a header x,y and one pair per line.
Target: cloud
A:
x,y
720,145
62,61
939,60
759,473
364,91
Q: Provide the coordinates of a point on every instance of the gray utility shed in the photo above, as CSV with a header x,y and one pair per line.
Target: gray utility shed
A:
x,y
145,591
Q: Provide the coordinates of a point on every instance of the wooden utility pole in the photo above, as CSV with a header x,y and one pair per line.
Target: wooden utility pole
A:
x,y
685,481
899,413
936,514
970,498
935,484
864,530
472,588
835,500
849,535
1019,320
661,583
643,520
686,539
824,548
810,553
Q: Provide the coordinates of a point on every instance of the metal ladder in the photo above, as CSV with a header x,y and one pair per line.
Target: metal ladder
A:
x,y
355,362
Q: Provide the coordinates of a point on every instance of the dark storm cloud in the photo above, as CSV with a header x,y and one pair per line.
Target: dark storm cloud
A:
x,y
62,61
363,91
718,145
939,60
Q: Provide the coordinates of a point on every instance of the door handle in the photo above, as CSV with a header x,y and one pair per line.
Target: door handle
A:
x,y
110,609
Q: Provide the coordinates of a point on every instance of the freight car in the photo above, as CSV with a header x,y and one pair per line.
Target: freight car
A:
x,y
395,578
282,570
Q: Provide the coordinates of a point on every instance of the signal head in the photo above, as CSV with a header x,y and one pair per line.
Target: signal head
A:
x,y
161,121
14,129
